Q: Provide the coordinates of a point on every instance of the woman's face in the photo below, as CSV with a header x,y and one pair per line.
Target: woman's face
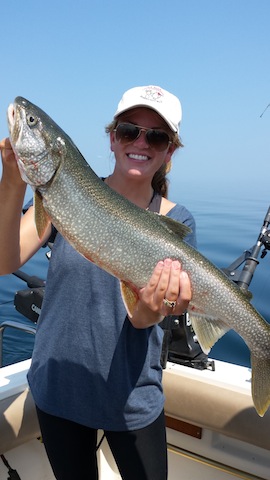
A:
x,y
139,159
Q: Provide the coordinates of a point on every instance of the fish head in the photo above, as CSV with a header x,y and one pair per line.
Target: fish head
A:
x,y
37,141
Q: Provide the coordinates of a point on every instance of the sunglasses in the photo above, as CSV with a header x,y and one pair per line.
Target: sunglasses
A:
x,y
126,133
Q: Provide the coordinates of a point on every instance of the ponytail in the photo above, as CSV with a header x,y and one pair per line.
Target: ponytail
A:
x,y
160,182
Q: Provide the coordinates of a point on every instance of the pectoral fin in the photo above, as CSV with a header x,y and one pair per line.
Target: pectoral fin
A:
x,y
207,330
130,297
41,217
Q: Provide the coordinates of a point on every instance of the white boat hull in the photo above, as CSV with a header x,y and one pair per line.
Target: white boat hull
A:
x,y
213,430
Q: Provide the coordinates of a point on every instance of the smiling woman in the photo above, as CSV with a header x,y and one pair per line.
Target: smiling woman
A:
x,y
162,133
114,350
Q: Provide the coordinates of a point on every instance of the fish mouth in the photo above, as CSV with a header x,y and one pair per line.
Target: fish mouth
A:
x,y
11,115
13,123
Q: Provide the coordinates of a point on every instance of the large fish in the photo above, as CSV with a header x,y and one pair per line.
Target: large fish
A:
x,y
128,241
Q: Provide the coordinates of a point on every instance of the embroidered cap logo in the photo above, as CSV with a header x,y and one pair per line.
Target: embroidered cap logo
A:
x,y
153,94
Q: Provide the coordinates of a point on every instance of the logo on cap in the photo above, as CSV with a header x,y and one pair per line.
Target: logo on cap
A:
x,y
153,94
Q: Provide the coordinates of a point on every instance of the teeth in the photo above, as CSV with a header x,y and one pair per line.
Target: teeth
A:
x,y
137,157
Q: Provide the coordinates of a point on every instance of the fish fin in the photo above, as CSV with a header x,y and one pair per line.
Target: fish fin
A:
x,y
246,293
207,330
260,368
176,227
130,297
41,217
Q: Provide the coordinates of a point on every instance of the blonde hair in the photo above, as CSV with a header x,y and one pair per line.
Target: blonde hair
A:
x,y
160,182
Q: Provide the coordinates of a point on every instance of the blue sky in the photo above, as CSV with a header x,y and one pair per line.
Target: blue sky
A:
x,y
75,59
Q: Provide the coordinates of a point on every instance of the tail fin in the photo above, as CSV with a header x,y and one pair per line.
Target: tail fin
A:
x,y
260,383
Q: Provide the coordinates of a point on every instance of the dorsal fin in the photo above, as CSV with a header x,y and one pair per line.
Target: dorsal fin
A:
x,y
176,227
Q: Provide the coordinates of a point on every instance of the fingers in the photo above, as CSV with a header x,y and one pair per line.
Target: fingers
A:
x,y
173,286
5,143
168,282
10,167
178,293
6,150
185,294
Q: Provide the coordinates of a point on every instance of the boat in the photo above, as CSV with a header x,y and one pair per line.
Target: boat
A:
x,y
213,429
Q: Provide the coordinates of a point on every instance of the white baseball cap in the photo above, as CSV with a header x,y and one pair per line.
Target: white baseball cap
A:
x,y
164,103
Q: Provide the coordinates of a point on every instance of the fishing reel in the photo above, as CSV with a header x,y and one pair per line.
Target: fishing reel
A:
x,y
266,243
180,344
28,301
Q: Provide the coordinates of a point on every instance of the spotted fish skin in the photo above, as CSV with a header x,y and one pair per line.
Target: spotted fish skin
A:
x,y
128,241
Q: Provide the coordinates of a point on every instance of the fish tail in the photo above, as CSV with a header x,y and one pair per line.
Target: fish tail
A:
x,y
260,383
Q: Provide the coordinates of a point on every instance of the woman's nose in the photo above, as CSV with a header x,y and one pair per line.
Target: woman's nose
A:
x,y
141,140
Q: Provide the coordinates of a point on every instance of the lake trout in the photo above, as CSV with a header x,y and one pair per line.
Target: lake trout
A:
x,y
128,241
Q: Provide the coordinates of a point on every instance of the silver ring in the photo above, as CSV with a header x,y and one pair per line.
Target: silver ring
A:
x,y
168,303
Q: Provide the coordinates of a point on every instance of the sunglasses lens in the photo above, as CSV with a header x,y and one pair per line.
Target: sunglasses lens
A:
x,y
158,139
126,133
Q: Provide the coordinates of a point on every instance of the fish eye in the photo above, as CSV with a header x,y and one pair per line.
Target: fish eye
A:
x,y
31,120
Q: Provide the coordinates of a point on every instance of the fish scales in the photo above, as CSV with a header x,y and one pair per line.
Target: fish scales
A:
x,y
128,241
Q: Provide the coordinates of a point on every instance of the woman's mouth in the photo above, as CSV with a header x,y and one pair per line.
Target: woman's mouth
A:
x,y
137,157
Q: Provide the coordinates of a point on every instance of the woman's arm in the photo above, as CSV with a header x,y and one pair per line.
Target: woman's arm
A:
x,y
18,236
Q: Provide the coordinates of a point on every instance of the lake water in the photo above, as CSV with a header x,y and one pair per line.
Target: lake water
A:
x,y
226,226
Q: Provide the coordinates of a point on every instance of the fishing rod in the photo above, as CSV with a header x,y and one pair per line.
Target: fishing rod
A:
x,y
31,280
265,110
249,257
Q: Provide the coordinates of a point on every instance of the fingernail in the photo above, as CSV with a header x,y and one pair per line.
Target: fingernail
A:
x,y
168,262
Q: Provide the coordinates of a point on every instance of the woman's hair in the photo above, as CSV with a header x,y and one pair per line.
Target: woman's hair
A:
x,y
160,182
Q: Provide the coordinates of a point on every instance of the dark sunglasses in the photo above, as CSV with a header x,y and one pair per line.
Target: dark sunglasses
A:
x,y
127,132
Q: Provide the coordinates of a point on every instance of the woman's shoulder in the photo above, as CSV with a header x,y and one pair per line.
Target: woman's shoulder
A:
x,y
175,210
165,206
181,214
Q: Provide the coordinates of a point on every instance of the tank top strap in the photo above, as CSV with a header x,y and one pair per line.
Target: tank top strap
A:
x,y
155,203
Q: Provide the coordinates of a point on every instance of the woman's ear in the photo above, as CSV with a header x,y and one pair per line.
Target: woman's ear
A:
x,y
169,153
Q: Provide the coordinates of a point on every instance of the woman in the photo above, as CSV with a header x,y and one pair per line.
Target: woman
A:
x,y
93,367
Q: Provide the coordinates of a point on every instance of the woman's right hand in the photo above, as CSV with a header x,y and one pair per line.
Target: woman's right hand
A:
x,y
10,167
18,234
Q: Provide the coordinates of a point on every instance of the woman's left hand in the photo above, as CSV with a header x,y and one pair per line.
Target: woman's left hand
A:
x,y
168,292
